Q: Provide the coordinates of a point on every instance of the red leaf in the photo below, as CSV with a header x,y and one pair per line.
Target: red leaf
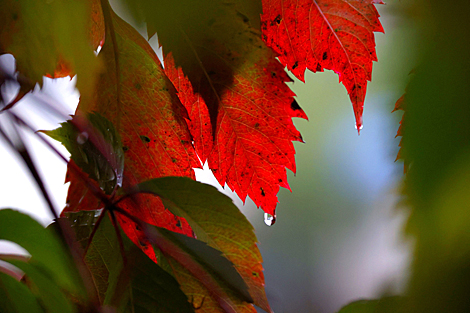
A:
x,y
199,120
150,121
254,130
325,34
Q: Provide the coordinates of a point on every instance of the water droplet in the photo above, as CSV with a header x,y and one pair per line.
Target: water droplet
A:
x,y
360,127
82,138
269,219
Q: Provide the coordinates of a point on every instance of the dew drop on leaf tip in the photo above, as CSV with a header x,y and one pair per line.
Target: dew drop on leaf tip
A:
x,y
269,219
361,126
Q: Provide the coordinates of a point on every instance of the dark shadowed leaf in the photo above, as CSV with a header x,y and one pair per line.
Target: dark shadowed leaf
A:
x,y
143,286
95,146
199,42
436,142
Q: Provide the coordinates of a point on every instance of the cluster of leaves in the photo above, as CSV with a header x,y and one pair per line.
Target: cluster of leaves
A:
x,y
221,269
221,98
120,275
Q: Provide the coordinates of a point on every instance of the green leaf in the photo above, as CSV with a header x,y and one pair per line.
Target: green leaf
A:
x,y
205,263
384,305
140,286
96,148
82,223
43,245
145,287
44,286
360,306
103,254
216,221
200,261
16,297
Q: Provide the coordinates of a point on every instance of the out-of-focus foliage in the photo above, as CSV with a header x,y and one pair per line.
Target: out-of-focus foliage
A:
x,y
384,305
436,145
51,37
436,142
49,278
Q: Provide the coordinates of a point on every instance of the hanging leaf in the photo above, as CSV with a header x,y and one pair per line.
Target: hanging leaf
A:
x,y
233,88
325,34
254,132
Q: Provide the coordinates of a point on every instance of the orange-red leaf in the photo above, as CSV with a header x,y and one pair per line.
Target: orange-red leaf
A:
x,y
254,130
325,34
199,121
150,120
240,108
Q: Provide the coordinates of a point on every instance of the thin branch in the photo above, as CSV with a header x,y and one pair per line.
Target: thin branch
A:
x,y
21,149
64,232
17,99
72,166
